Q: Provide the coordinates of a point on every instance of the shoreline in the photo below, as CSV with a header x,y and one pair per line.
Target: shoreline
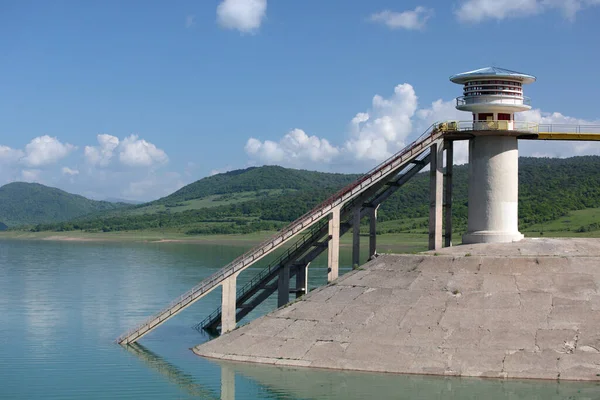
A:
x,y
389,242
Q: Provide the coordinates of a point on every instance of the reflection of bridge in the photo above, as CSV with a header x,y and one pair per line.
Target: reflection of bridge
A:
x,y
171,372
321,228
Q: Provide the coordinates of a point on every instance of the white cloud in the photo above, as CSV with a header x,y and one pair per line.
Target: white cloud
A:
x,y
70,172
388,126
101,155
153,185
31,175
136,152
9,156
132,152
479,10
45,150
380,132
295,149
190,21
221,170
244,15
411,20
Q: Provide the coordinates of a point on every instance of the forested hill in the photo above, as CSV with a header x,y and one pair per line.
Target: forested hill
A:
x,y
31,203
270,197
255,179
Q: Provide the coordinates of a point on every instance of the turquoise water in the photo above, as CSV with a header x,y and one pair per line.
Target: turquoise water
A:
x,y
62,304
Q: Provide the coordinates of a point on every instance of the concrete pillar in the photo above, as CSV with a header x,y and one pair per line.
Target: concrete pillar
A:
x,y
436,186
373,232
356,238
448,193
228,304
333,248
283,287
302,280
493,190
227,383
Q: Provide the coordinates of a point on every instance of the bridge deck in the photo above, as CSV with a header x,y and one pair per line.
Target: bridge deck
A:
x,y
384,170
452,130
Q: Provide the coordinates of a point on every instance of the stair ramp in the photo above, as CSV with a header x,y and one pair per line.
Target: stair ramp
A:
x,y
372,179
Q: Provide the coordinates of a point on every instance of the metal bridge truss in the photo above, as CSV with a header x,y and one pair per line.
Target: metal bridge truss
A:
x,y
321,227
295,261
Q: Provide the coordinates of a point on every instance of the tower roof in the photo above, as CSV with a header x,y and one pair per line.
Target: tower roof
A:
x,y
491,72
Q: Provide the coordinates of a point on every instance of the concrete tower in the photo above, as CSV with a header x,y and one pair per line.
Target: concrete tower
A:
x,y
493,95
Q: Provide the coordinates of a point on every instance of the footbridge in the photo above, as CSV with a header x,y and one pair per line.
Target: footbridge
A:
x,y
320,229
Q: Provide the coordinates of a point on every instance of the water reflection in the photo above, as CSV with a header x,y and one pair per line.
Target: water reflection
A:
x,y
309,383
306,383
172,373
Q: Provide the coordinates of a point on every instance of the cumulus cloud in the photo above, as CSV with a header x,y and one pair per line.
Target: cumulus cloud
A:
x,y
295,148
388,126
190,21
244,15
101,155
381,131
70,172
31,175
9,155
131,151
479,10
136,152
45,150
410,20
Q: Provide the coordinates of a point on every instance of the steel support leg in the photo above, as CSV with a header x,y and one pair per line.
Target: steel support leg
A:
x,y
302,281
333,250
283,287
356,238
448,193
373,232
436,186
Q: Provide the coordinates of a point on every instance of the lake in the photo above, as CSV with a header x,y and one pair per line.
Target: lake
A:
x,y
62,304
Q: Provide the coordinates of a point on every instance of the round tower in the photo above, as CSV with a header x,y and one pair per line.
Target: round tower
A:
x,y
493,95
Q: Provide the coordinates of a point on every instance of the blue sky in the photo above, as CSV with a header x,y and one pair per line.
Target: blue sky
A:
x,y
180,90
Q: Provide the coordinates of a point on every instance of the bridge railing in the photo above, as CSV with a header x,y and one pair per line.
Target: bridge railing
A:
x,y
266,246
568,128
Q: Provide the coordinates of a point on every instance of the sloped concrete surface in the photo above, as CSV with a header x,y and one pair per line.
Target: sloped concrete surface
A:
x,y
527,310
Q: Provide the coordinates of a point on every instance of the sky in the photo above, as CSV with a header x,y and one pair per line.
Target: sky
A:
x,y
135,99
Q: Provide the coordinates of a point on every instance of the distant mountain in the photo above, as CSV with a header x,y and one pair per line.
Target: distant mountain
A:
x,y
124,201
31,203
267,198
257,178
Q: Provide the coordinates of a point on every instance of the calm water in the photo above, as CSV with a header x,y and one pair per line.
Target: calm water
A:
x,y
63,304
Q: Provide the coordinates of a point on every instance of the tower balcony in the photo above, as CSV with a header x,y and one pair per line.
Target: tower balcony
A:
x,y
491,102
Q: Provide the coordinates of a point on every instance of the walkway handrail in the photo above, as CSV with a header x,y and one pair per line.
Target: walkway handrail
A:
x,y
257,252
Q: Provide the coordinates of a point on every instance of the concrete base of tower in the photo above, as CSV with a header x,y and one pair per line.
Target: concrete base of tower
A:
x,y
491,237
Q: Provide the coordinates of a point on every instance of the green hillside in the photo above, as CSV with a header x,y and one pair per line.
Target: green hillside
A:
x,y
31,203
268,198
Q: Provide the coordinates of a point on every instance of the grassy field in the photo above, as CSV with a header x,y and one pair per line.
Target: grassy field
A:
x,y
581,223
386,243
205,202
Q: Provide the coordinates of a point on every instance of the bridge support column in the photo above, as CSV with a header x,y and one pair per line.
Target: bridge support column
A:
x,y
333,248
302,281
228,304
356,238
373,232
448,193
436,186
283,286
